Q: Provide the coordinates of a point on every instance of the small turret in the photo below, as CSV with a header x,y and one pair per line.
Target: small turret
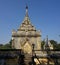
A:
x,y
48,45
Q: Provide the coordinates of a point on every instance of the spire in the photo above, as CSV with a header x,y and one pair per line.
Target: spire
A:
x,y
47,45
26,11
26,24
47,39
26,19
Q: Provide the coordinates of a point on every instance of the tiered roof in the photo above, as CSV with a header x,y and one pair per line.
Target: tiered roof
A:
x,y
26,28
26,25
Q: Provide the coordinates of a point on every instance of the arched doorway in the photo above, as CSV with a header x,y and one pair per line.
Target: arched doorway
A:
x,y
27,48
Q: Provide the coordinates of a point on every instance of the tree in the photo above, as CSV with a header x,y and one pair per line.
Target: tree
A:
x,y
42,44
7,45
10,42
54,44
58,46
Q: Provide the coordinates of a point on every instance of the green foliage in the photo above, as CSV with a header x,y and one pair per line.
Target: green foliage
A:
x,y
6,46
42,44
10,42
55,44
58,46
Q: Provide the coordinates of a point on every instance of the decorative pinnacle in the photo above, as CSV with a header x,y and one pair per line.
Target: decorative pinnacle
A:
x,y
47,39
26,7
26,11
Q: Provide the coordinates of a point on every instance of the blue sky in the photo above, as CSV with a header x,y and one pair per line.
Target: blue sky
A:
x,y
44,15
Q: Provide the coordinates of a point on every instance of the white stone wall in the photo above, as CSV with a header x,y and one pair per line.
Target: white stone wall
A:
x,y
19,42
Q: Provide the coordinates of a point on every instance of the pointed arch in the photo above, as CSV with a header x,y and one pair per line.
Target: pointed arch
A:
x,y
27,46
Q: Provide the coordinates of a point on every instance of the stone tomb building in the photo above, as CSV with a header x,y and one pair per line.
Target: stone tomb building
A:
x,y
26,35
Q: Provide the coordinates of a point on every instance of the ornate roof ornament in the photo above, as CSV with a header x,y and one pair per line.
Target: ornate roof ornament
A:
x,y
26,11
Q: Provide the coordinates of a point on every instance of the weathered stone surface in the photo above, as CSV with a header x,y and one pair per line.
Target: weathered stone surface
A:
x,y
25,36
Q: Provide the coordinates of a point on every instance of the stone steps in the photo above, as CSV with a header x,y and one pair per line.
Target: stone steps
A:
x,y
27,59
